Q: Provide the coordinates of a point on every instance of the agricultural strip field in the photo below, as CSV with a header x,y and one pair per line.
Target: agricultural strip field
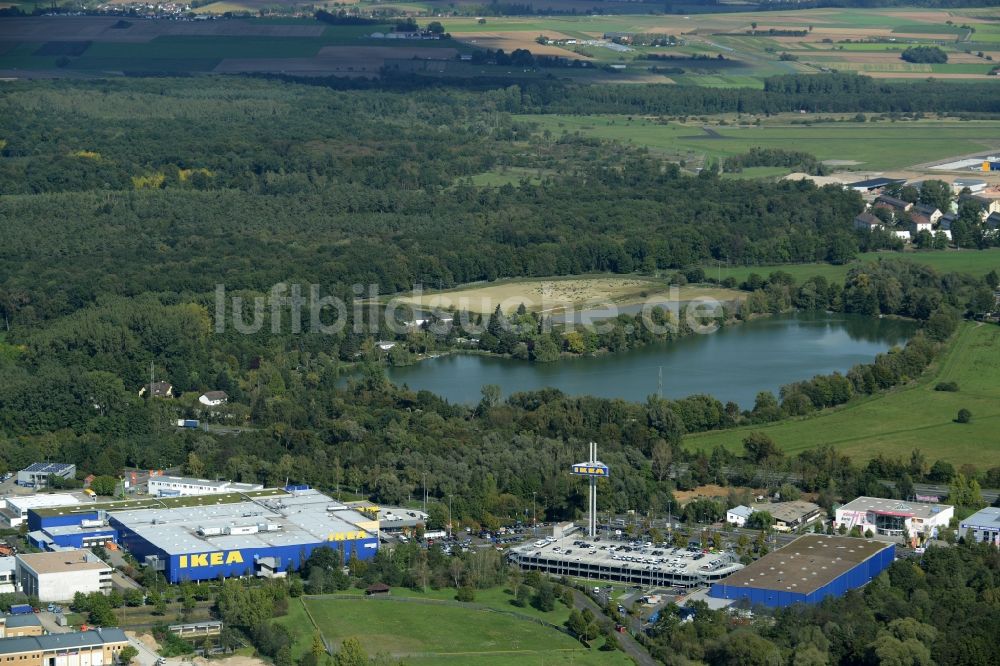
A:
x,y
974,262
876,145
912,417
425,630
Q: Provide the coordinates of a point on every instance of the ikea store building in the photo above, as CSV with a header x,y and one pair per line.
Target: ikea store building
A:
x,y
257,533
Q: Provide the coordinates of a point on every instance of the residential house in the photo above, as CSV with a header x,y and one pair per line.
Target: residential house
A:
x,y
989,206
946,221
897,206
930,212
214,398
738,515
159,390
919,222
992,221
903,235
868,222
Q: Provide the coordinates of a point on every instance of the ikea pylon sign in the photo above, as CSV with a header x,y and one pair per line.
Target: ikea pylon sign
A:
x,y
215,559
590,469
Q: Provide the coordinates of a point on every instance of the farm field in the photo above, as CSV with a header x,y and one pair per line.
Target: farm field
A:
x,y
874,145
553,294
915,416
974,262
738,49
426,630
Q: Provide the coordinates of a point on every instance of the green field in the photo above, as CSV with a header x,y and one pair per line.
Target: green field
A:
x,y
974,262
432,629
878,145
912,417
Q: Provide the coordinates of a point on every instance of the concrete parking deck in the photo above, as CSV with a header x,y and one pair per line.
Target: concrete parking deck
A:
x,y
624,561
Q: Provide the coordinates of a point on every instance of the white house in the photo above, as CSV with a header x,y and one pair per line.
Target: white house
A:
x,y
904,235
738,515
915,521
214,398
385,345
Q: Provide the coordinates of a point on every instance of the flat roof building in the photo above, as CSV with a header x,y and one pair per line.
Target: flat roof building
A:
x,y
97,647
60,575
37,475
14,626
809,569
577,555
264,532
8,577
982,526
180,486
16,508
262,536
914,521
789,516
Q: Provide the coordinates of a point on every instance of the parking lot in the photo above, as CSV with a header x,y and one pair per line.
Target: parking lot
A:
x,y
642,563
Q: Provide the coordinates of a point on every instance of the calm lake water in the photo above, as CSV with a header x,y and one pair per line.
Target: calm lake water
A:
x,y
734,363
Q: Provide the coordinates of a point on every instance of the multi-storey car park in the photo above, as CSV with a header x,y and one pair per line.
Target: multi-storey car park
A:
x,y
635,562
263,532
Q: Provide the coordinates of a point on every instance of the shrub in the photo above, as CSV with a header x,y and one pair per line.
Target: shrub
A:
x,y
924,54
964,416
946,386
466,594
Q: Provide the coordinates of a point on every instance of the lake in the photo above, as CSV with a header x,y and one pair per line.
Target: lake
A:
x,y
734,363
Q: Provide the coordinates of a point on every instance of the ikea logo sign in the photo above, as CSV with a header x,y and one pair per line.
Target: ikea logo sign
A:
x,y
590,470
215,559
346,536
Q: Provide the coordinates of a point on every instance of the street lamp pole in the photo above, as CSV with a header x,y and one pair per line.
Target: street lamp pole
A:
x,y
450,529
534,515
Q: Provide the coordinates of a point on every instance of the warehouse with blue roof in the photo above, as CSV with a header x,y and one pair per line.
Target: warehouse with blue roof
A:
x,y
258,533
808,570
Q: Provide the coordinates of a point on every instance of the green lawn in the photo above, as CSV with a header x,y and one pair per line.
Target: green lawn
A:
x,y
879,145
441,632
913,417
974,262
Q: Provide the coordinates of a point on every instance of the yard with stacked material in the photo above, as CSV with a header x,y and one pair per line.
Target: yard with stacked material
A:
x,y
432,628
912,417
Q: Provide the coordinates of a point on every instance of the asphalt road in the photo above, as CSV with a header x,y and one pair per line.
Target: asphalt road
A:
x,y
630,646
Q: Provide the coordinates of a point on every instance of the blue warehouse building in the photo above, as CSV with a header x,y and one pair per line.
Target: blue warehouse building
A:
x,y
258,533
807,571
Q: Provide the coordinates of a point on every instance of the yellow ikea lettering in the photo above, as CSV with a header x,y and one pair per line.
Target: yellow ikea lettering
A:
x,y
210,559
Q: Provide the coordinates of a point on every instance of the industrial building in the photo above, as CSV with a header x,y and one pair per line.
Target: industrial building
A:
x,y
260,532
37,475
15,509
15,626
982,526
807,570
60,575
179,486
8,579
913,521
789,516
97,647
